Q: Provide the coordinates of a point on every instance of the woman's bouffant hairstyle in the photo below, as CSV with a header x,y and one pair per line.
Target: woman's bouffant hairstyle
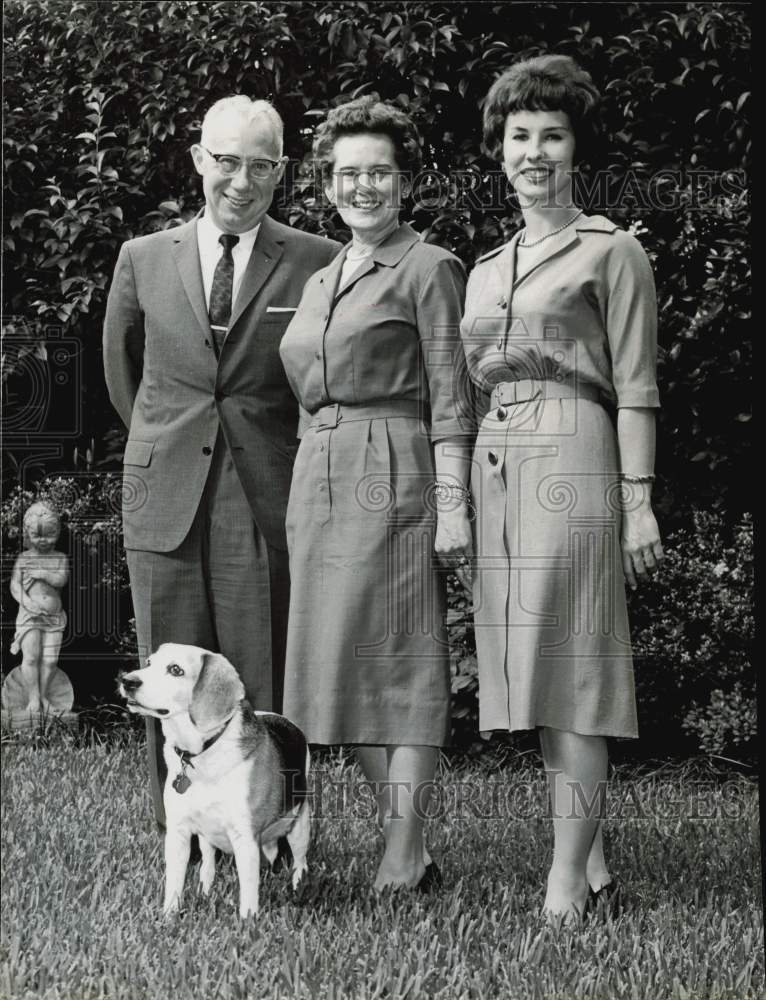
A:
x,y
545,83
360,117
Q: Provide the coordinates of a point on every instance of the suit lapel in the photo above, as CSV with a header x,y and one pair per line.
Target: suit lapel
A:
x,y
186,252
264,257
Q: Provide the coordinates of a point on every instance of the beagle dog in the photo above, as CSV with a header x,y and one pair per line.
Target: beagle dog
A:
x,y
236,777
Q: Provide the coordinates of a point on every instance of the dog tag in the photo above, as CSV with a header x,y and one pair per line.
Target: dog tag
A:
x,y
181,783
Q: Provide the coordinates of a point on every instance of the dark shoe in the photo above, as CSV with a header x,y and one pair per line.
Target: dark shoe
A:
x,y
431,881
608,899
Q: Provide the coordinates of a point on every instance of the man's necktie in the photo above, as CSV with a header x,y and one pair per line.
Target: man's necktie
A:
x,y
220,293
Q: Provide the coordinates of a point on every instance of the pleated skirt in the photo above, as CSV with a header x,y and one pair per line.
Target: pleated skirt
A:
x,y
367,655
552,636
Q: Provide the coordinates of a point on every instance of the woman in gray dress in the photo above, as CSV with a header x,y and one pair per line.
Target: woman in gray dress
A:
x,y
560,339
374,357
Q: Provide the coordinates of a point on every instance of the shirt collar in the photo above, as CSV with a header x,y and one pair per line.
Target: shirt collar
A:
x,y
395,246
595,224
209,233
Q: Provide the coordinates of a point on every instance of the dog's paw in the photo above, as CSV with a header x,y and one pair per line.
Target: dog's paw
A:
x,y
303,892
299,877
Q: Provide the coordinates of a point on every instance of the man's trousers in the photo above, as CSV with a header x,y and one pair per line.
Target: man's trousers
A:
x,y
224,589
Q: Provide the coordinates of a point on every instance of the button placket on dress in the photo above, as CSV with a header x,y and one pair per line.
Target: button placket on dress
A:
x,y
505,302
323,435
496,456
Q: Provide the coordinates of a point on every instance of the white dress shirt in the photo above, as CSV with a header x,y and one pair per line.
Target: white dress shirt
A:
x,y
210,251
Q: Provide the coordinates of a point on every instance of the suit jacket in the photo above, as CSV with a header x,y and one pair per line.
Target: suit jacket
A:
x,y
172,393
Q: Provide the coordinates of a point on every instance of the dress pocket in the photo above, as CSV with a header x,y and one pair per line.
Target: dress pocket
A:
x,y
411,467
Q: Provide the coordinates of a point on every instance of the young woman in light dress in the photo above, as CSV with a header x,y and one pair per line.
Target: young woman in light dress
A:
x,y
560,332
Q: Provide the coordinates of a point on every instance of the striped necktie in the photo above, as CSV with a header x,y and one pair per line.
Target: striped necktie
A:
x,y
220,292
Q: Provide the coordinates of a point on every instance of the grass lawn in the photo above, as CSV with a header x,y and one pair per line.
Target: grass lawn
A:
x,y
83,878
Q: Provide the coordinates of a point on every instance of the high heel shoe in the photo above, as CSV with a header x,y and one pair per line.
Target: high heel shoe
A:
x,y
431,881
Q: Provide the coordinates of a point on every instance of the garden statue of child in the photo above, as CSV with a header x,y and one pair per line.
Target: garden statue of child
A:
x,y
39,574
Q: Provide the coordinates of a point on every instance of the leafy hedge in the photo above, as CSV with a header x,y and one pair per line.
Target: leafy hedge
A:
x,y
693,634
102,101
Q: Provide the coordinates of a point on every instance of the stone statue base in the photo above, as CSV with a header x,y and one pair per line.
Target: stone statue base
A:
x,y
59,693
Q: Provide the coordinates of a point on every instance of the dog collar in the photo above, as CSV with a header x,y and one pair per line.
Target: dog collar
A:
x,y
181,781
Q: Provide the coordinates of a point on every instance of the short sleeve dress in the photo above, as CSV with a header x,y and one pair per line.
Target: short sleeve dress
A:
x,y
553,354
374,365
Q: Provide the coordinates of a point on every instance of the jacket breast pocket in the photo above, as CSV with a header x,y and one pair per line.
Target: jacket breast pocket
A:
x,y
138,453
273,326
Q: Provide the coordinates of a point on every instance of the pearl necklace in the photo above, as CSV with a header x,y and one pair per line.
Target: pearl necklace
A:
x,y
534,243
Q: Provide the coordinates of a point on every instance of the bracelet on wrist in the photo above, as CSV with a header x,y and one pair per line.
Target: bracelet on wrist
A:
x,y
445,492
443,488
628,477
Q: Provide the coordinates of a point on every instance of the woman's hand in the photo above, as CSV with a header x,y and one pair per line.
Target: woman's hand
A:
x,y
454,542
641,546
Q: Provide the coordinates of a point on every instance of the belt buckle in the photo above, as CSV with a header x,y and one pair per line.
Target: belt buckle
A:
x,y
328,416
528,389
521,391
501,397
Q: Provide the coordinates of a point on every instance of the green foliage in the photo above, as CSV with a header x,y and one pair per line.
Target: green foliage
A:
x,y
693,633
103,100
728,723
464,669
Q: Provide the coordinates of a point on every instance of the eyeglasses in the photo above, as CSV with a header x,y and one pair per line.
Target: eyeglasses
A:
x,y
376,176
230,165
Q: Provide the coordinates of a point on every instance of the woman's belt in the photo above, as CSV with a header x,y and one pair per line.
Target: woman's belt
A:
x,y
526,389
335,413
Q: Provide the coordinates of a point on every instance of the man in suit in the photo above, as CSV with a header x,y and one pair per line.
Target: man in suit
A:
x,y
193,323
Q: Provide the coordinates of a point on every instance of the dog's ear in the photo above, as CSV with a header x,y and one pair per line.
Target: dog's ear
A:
x,y
216,693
